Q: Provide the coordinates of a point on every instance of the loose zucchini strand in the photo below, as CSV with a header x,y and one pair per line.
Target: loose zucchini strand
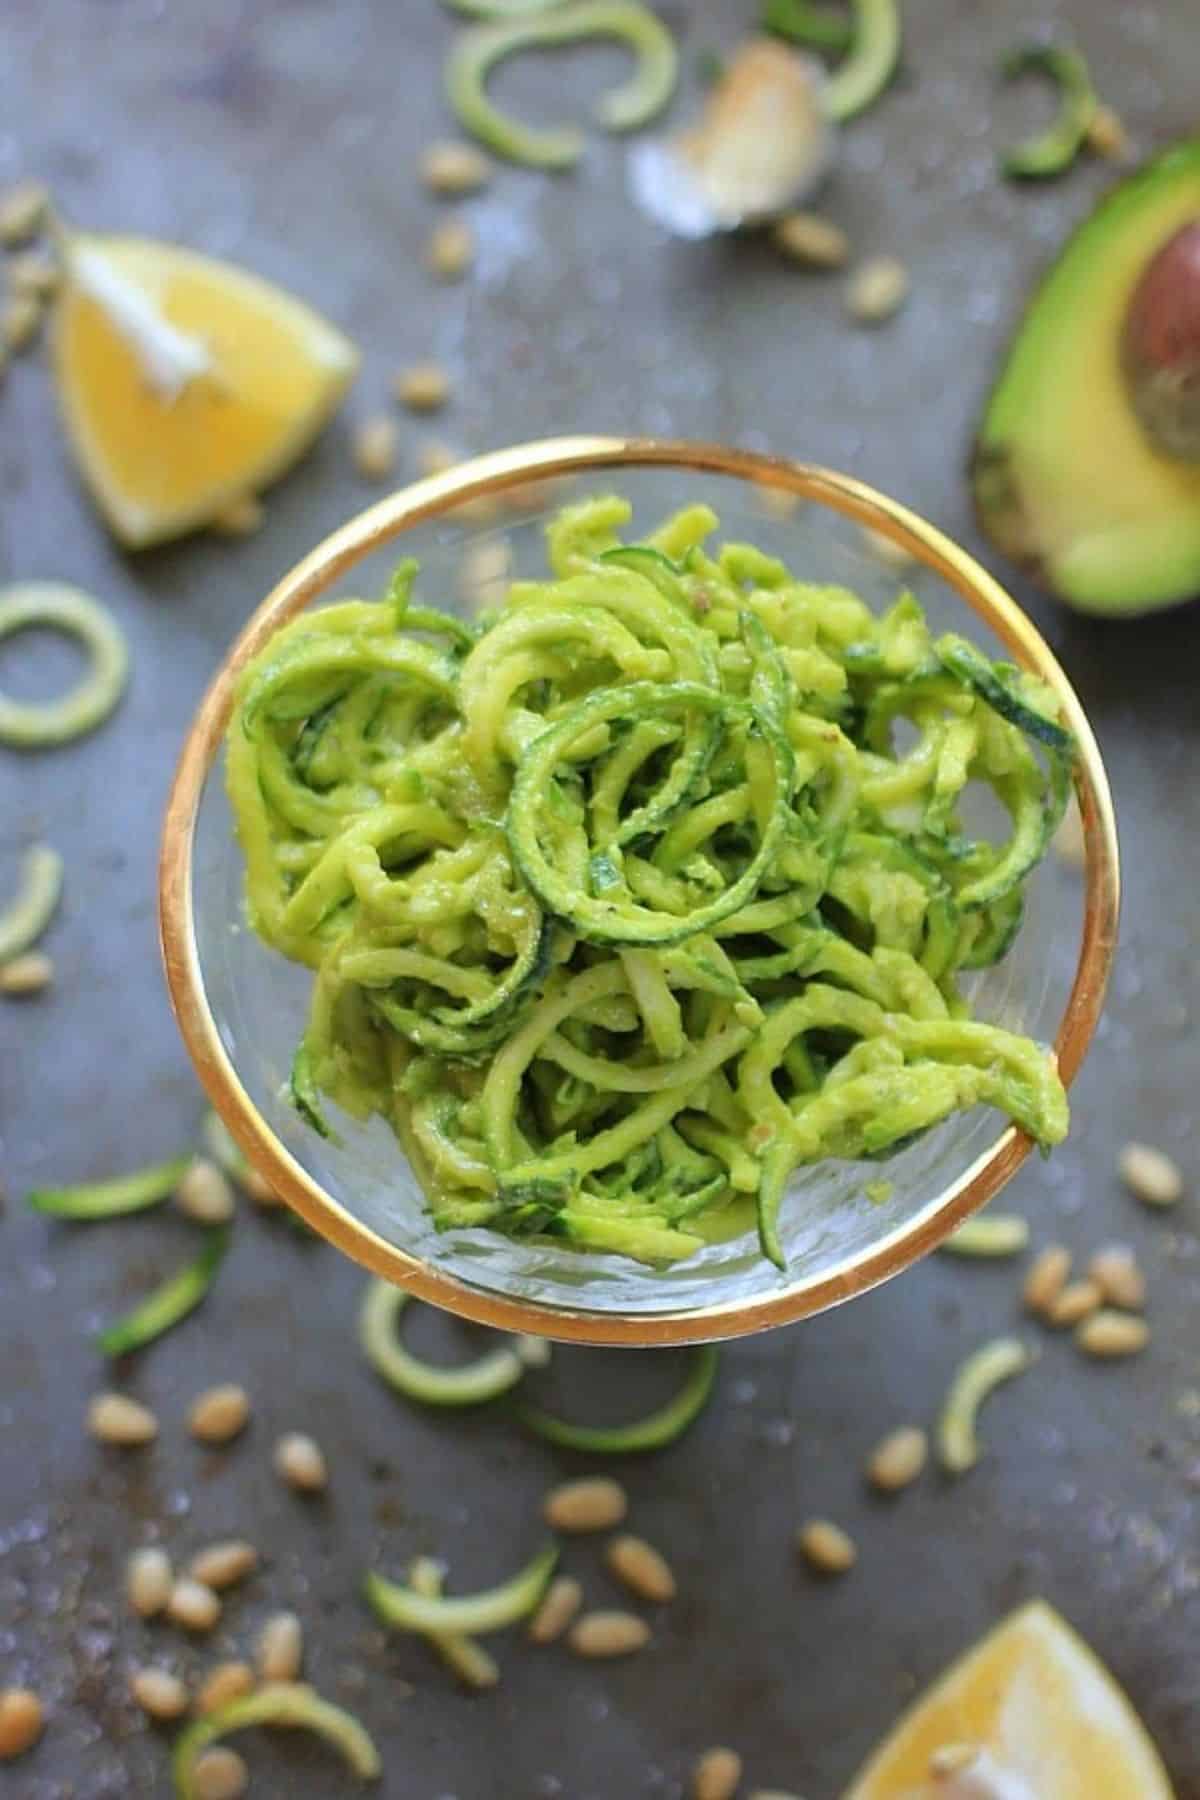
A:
x,y
288,1703
862,76
468,1385
1051,152
26,917
115,1198
36,724
404,1609
178,1296
651,1432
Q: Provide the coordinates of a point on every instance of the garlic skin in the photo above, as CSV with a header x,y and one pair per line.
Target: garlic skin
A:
x,y
763,142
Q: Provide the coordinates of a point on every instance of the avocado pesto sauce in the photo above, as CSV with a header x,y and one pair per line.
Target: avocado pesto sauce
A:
x,y
622,904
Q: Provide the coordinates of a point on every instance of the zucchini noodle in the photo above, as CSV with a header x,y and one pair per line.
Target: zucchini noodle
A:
x,y
625,905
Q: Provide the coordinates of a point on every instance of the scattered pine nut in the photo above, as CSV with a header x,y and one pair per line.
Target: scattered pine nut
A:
x,y
279,1651
259,1189
375,447
1067,843
1150,1175
644,1570
219,1413
159,1693
22,213
715,1774
422,388
116,1419
1111,1334
451,250
241,518
148,1581
983,1370
774,502
806,237
193,1605
827,1547
204,1194
1077,1300
899,1459
563,1599
20,322
34,273
219,1774
1106,135
608,1634
877,289
228,1681
222,1565
886,550
21,1722
773,1794
952,1759
298,1459
1117,1274
26,975
594,1503
435,458
449,169
1046,1279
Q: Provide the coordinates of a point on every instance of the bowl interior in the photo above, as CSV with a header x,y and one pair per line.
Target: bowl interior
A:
x,y
838,1237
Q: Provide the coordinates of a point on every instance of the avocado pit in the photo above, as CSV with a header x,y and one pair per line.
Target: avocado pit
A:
x,y
1160,346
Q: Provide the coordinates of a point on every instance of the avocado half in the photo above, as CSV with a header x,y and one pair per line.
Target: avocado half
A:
x,y
1065,477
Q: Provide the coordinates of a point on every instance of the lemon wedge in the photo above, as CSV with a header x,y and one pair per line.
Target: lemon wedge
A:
x,y
185,383
1030,1713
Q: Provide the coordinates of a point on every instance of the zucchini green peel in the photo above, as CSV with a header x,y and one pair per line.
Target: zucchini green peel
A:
x,y
626,108
287,1703
113,1199
27,916
501,9
633,906
431,1615
651,1432
1051,152
37,724
171,1303
865,71
816,27
470,1384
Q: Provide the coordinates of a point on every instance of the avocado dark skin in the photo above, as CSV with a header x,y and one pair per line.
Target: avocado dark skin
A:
x,y
1086,465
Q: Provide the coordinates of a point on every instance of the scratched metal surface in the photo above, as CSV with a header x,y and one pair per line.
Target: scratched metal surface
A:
x,y
284,135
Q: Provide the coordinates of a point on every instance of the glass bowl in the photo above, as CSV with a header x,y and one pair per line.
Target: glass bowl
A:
x,y
241,1006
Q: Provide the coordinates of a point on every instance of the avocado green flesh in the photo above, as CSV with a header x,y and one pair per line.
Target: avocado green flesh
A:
x,y
1065,478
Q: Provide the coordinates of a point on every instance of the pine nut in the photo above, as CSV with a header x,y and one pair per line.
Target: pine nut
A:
x,y
116,1419
241,518
148,1581
827,1547
299,1461
450,169
808,238
716,1774
899,1459
204,1194
21,1722
219,1774
20,322
887,551
193,1605
608,1634
158,1693
1047,1278
219,1413
594,1503
259,1189
423,388
1110,1334
1077,1300
228,1681
1150,1175
451,250
22,213
1116,1272
644,1570
221,1565
877,289
1106,135
26,975
773,1794
375,447
775,503
280,1648
564,1597
435,459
